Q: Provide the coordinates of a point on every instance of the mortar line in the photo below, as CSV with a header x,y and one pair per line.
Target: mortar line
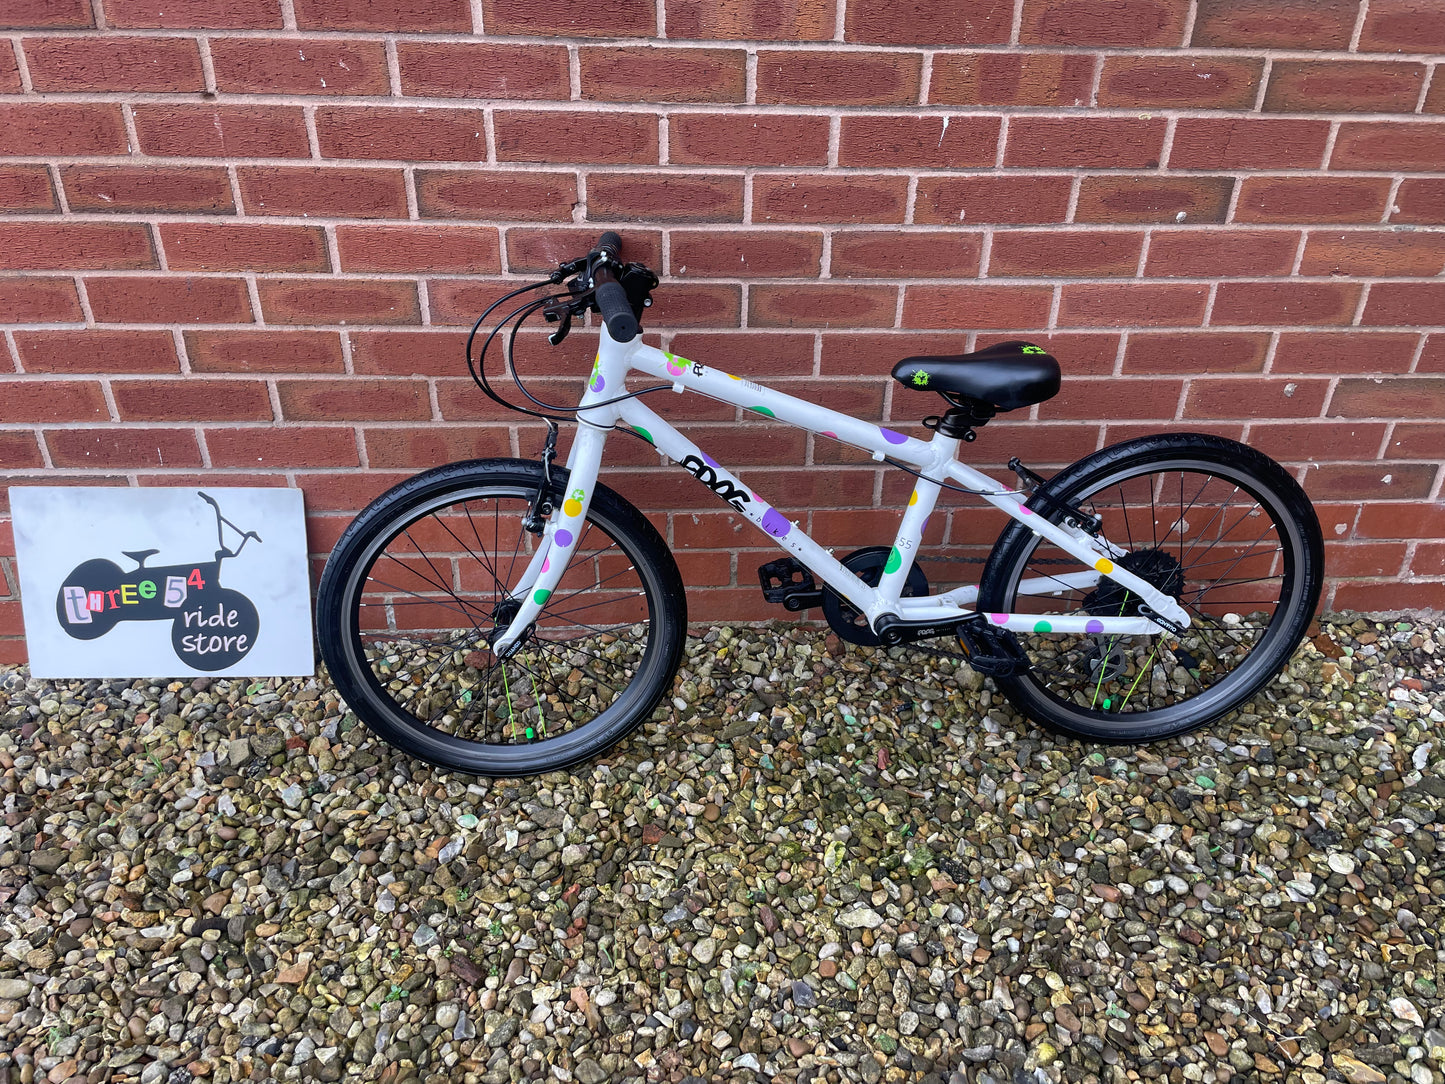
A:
x,y
1360,17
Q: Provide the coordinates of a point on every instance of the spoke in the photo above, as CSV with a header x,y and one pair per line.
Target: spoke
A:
x,y
460,607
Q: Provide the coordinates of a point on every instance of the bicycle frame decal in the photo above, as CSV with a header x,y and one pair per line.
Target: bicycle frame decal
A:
x,y
934,459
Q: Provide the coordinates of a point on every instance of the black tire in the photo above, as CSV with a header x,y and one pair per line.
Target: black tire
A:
x,y
414,686
93,575
1089,686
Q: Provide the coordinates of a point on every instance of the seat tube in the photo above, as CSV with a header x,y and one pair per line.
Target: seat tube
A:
x,y
921,503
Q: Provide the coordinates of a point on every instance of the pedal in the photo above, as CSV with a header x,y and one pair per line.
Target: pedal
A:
x,y
788,582
990,650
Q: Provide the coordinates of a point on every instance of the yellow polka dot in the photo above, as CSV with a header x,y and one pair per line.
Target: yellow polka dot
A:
x,y
572,508
1104,565
912,498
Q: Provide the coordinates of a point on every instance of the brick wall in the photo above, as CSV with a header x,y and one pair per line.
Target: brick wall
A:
x,y
241,239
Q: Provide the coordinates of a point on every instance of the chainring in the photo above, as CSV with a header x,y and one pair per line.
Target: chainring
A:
x,y
867,564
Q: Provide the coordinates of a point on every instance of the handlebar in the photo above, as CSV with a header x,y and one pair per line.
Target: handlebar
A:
x,y
611,298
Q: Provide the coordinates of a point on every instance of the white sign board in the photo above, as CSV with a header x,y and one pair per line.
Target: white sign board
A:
x,y
131,583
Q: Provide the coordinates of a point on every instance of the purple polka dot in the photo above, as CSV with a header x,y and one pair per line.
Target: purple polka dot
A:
x,y
597,383
891,437
776,524
1094,626
998,619
709,460
563,538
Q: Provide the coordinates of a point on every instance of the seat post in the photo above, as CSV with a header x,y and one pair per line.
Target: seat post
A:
x,y
960,420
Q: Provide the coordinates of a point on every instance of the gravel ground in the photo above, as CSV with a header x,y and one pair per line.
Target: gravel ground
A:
x,y
827,864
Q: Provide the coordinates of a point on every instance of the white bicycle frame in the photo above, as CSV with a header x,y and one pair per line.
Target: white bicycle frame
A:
x,y
934,459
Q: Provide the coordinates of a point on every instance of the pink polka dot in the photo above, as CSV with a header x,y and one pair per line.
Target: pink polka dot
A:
x,y
1025,511
546,563
828,433
998,619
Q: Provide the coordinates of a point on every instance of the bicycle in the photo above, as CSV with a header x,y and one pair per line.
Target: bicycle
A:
x,y
212,627
506,616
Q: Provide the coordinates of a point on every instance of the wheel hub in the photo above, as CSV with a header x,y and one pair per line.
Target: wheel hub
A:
x,y
1155,567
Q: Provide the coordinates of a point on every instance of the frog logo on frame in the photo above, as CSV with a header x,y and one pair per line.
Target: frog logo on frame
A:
x,y
219,599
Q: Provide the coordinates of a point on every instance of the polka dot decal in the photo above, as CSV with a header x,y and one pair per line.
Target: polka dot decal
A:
x,y
546,563
1043,626
1104,565
709,460
1094,626
998,619
762,410
563,538
643,433
541,595
571,507
912,498
776,524
895,560
830,433
891,437
675,365
597,383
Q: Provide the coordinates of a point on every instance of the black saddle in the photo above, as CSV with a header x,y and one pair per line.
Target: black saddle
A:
x,y
1005,376
139,556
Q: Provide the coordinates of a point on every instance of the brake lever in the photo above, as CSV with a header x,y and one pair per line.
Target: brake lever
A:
x,y
562,329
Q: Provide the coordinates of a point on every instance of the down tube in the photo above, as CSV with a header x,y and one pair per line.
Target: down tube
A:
x,y
731,489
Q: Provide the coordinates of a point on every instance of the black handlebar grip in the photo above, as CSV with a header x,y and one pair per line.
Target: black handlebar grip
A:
x,y
611,244
612,303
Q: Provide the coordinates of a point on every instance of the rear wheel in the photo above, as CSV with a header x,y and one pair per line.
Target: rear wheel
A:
x,y
1212,523
419,587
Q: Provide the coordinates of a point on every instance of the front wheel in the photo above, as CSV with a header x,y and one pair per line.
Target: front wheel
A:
x,y
422,583
1214,524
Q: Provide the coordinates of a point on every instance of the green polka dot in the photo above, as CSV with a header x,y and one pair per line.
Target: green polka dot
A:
x,y
540,596
643,433
1043,626
895,560
762,410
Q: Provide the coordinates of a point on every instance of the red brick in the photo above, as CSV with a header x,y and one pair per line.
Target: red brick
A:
x,y
353,399
9,71
1403,26
1411,145
122,448
771,353
1420,200
192,399
205,246
339,301
1285,24
1079,353
1407,303
1048,253
929,22
518,195
1315,438
322,191
1045,79
1255,397
1126,304
474,70
169,299
543,248
408,353
574,18
38,301
1002,199
750,20
1344,352
1336,86
913,254
186,14
417,448
1103,22
1114,398
114,63
1285,303
1405,519
1247,143
20,451
830,78
461,301
1432,355
1435,98
49,14
61,128
1187,353
461,249
746,254
1084,142
74,245
1182,82
1362,481
299,66
48,401
1153,198
26,188
283,447
873,353
1429,560
421,16
1209,253
429,135
953,142
270,351
651,74
664,197
976,306
711,305
822,306
1375,253
347,491
1416,440
831,198
747,139
222,131
93,351
1312,199
1398,397
602,138
153,189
